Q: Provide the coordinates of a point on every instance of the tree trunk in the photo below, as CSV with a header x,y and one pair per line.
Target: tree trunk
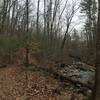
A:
x,y
27,26
97,83
37,22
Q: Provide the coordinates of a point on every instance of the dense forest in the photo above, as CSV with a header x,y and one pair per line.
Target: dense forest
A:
x,y
49,49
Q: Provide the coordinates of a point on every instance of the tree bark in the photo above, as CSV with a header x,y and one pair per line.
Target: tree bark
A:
x,y
97,77
27,27
37,22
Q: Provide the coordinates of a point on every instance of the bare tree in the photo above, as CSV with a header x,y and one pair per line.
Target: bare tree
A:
x,y
69,17
4,14
60,16
37,22
44,17
13,13
27,30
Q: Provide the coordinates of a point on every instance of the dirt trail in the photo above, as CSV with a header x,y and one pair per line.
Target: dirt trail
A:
x,y
12,86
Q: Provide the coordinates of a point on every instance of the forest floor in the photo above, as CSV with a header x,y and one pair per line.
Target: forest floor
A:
x,y
19,84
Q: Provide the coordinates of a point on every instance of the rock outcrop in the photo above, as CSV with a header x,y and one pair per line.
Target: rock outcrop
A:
x,y
79,72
